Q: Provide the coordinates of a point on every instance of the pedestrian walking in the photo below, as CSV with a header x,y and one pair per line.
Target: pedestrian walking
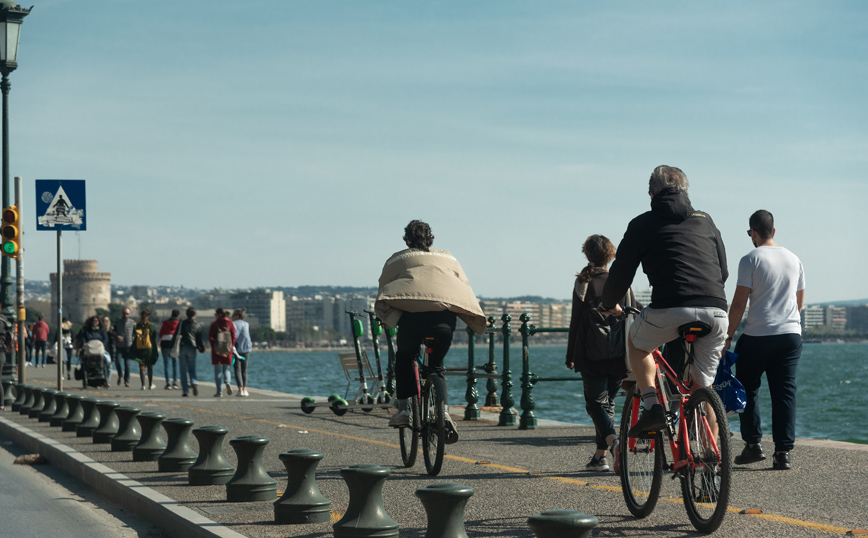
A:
x,y
123,341
188,340
243,347
40,337
66,340
222,338
144,349
170,363
106,325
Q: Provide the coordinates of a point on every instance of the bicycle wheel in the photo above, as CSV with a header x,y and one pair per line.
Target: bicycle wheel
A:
x,y
409,435
433,429
705,485
641,463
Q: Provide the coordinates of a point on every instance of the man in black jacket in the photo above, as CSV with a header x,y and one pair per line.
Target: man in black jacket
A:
x,y
682,254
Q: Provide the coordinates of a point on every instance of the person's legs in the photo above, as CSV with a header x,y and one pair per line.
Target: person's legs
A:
x,y
781,375
749,369
38,347
183,365
218,378
600,406
142,368
166,357
408,343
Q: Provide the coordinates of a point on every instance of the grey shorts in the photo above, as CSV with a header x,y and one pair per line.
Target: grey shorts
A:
x,y
657,326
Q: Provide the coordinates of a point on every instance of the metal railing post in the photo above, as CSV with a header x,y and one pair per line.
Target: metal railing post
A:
x,y
507,413
491,367
528,419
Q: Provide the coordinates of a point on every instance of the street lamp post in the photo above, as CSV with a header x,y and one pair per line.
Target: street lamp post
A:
x,y
11,16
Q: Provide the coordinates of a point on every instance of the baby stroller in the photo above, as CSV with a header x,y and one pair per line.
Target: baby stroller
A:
x,y
93,365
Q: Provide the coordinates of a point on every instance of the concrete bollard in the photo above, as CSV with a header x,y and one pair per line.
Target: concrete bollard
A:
x,y
108,422
444,503
365,515
75,415
211,467
251,482
179,456
90,419
38,403
562,524
49,406
20,396
8,400
24,408
151,445
302,501
61,409
129,432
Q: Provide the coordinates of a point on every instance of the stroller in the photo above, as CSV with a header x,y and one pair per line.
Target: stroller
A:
x,y
93,365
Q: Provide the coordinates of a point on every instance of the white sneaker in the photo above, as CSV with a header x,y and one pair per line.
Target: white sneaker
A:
x,y
152,386
401,418
244,391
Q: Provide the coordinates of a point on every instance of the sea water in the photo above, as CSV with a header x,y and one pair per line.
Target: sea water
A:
x,y
831,382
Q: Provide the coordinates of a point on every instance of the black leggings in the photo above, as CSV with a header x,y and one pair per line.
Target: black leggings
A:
x,y
413,328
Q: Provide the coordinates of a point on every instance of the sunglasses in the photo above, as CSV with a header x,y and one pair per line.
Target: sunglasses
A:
x,y
748,233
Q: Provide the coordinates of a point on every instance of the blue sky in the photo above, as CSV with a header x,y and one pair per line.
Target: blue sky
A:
x,y
268,143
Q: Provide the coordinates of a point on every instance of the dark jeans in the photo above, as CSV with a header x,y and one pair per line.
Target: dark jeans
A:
x,y
413,328
778,357
123,364
38,345
600,392
241,370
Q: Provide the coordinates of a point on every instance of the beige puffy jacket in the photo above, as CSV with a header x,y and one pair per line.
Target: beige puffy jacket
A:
x,y
417,281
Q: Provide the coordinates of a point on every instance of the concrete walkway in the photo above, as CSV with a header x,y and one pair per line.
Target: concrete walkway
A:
x,y
515,473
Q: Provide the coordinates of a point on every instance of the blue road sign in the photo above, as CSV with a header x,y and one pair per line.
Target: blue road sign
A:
x,y
60,205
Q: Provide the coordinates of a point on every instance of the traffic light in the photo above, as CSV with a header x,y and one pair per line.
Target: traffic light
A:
x,y
11,232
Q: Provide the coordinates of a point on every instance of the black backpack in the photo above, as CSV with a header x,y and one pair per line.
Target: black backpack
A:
x,y
605,338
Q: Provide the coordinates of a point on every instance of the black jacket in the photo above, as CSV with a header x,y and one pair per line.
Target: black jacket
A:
x,y
681,252
190,333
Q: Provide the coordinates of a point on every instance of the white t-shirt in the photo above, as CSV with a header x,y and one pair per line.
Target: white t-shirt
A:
x,y
774,275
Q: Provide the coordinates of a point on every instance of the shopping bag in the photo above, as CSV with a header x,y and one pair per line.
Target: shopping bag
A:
x,y
730,389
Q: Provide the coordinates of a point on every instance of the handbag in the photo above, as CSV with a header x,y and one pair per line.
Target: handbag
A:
x,y
730,389
176,347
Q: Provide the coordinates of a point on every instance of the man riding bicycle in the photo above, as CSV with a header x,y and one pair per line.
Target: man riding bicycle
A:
x,y
682,254
422,291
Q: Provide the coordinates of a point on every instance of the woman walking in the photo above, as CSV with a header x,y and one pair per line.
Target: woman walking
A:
x,y
588,349
170,363
222,338
144,348
190,333
243,346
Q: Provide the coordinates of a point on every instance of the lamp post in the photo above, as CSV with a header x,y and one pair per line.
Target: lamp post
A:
x,y
11,16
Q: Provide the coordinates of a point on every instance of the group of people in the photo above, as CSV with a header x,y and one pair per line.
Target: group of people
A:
x,y
422,291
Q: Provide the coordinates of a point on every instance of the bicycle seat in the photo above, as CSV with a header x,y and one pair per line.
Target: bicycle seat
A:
x,y
693,330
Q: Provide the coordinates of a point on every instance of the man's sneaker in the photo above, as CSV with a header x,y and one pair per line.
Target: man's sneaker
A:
x,y
195,390
781,461
615,450
650,422
750,454
229,389
599,465
401,418
450,427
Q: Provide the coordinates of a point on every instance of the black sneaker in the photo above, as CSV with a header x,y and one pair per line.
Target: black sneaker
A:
x,y
781,461
598,465
650,422
750,454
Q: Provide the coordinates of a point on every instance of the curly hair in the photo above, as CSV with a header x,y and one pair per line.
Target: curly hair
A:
x,y
599,251
418,234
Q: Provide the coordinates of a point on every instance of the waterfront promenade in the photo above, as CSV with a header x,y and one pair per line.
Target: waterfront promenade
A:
x,y
515,473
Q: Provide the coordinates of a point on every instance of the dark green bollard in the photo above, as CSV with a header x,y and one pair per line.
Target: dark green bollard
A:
x,y
49,406
211,468
179,456
562,524
444,503
90,420
251,482
301,501
20,396
108,422
151,445
365,515
8,400
128,429
75,415
61,409
38,403
24,408
507,413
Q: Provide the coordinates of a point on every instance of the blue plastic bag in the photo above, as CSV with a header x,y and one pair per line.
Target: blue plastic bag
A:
x,y
730,389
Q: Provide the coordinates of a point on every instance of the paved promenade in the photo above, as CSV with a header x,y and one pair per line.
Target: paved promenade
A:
x,y
515,473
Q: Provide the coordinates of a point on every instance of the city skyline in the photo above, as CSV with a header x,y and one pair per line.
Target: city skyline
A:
x,y
243,145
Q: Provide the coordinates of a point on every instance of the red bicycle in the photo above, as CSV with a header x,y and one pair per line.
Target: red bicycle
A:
x,y
699,443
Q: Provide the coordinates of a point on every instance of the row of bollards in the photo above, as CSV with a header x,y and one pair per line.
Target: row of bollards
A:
x,y
127,429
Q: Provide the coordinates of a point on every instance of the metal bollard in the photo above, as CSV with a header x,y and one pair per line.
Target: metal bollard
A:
x,y
128,429
61,409
75,415
302,501
49,406
151,445
8,400
38,403
562,524
90,420
365,515
27,403
211,468
20,396
179,456
251,482
444,503
108,422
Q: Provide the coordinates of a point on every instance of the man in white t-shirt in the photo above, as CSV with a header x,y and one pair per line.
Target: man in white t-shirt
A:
x,y
773,279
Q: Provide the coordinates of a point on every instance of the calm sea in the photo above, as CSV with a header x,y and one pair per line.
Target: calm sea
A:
x,y
831,384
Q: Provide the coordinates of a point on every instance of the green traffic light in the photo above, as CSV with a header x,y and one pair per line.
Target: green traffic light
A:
x,y
9,247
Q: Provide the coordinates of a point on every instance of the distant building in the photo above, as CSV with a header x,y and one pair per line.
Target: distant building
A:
x,y
269,307
84,290
836,318
812,316
857,318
